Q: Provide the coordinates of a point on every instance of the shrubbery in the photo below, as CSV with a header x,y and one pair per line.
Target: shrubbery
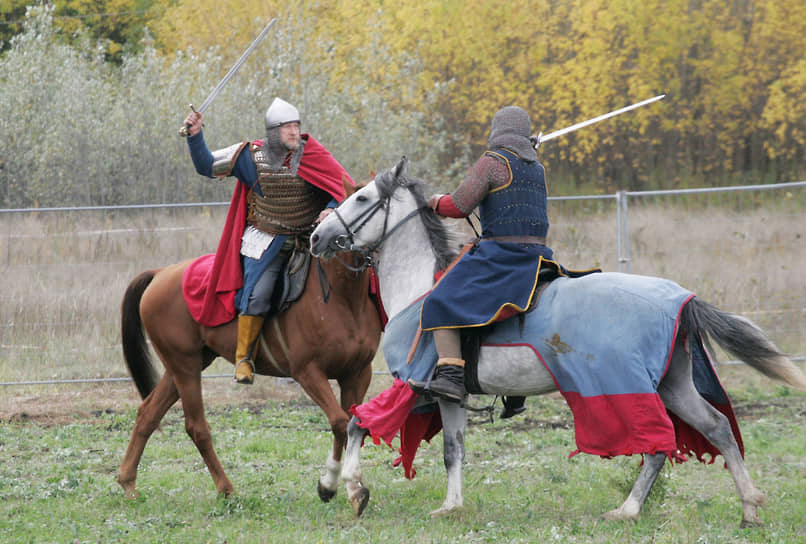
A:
x,y
76,130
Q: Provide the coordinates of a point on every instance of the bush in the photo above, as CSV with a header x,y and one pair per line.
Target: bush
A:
x,y
80,131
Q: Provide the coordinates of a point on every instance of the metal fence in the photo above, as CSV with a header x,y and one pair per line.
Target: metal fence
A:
x,y
65,269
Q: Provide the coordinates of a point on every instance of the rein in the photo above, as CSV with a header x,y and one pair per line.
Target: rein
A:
x,y
347,241
324,282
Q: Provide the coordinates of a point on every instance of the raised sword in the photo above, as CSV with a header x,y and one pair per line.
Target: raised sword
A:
x,y
217,89
551,135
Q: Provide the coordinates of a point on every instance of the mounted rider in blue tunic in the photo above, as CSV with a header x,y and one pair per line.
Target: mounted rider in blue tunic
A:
x,y
498,276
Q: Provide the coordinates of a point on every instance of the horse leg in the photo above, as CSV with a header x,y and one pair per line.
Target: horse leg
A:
x,y
454,422
316,385
681,397
653,463
190,391
149,415
357,493
352,392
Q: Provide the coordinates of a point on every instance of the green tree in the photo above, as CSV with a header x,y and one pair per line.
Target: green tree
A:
x,y
12,13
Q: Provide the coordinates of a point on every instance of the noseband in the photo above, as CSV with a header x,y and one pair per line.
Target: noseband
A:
x,y
346,242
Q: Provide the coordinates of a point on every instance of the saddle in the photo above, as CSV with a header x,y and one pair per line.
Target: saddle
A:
x,y
292,280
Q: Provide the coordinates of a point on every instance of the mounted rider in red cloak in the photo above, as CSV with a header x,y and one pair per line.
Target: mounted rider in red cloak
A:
x,y
284,182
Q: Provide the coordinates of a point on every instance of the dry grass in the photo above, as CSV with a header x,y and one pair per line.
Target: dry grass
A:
x,y
65,273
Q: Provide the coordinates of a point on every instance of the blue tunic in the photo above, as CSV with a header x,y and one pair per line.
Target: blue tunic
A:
x,y
496,275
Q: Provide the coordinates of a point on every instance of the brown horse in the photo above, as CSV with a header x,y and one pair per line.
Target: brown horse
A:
x,y
331,332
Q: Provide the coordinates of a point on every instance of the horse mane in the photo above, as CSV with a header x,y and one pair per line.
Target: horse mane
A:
x,y
444,241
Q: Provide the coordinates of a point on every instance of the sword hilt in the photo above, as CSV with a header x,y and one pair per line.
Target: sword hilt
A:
x,y
184,132
535,140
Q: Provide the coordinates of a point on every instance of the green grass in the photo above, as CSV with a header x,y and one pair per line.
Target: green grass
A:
x,y
57,481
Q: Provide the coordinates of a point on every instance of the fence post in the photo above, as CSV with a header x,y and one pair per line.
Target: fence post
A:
x,y
623,232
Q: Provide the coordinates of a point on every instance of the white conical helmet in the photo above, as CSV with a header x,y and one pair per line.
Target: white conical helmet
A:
x,y
281,112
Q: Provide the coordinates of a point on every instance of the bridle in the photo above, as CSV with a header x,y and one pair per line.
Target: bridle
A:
x,y
346,242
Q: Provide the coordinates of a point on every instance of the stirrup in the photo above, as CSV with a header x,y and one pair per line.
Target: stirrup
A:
x,y
246,380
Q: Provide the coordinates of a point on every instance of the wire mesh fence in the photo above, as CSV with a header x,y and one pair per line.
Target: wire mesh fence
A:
x,y
65,269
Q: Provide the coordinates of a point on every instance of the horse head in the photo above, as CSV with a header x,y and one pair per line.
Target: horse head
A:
x,y
356,223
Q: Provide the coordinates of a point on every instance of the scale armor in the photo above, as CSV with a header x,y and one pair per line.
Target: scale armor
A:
x,y
289,204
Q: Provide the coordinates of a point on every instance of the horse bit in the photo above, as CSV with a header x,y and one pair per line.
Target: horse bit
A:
x,y
347,241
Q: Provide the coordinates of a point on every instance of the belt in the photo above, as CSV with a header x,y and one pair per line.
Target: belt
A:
x,y
518,239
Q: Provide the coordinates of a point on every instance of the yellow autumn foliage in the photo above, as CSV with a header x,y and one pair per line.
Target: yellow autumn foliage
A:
x,y
733,72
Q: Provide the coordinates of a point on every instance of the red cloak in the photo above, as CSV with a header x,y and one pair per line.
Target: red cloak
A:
x,y
211,281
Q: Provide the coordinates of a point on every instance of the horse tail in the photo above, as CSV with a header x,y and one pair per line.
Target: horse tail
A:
x,y
742,338
135,348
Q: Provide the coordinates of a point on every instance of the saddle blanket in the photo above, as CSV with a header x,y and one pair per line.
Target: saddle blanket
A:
x,y
209,309
607,340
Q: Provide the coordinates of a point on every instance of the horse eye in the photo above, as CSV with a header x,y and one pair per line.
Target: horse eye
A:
x,y
361,198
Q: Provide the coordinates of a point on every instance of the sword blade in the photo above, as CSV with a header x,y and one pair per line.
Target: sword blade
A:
x,y
235,67
543,137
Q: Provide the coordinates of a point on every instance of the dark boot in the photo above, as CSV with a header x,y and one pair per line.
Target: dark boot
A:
x,y
448,382
512,406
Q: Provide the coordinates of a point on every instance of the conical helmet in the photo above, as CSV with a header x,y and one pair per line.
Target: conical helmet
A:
x,y
281,112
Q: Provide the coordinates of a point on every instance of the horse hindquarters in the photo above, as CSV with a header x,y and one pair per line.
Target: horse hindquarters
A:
x,y
177,340
680,396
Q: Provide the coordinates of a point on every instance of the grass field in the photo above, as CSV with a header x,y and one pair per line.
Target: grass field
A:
x,y
60,452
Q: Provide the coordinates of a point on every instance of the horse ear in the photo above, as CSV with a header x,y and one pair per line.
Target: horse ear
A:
x,y
400,168
349,188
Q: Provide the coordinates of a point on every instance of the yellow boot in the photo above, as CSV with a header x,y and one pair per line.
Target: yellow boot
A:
x,y
249,327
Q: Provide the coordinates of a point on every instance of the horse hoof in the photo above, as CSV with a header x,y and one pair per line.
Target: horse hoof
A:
x,y
359,501
750,523
444,511
618,515
226,490
129,490
325,494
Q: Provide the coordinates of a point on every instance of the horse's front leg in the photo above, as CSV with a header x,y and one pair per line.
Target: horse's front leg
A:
x,y
316,385
454,423
357,493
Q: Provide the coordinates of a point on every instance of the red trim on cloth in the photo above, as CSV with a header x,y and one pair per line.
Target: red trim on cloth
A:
x,y
375,295
389,413
611,425
417,427
213,306
691,443
600,431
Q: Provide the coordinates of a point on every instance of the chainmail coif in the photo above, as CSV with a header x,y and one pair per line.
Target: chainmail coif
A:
x,y
511,128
